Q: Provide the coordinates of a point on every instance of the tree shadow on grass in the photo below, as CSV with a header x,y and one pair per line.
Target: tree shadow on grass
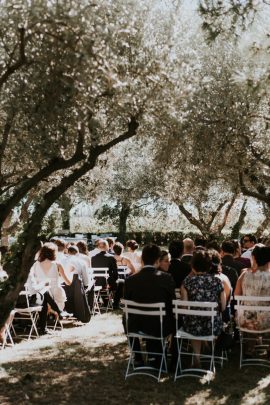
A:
x,y
72,373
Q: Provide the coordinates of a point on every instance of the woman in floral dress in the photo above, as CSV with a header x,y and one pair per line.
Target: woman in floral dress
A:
x,y
204,287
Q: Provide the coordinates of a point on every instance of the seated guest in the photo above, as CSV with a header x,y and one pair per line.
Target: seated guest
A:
x,y
200,243
227,255
150,286
188,250
77,302
133,255
178,269
95,250
83,252
60,255
121,260
255,281
164,261
216,270
213,244
204,287
45,278
237,254
104,259
111,245
249,242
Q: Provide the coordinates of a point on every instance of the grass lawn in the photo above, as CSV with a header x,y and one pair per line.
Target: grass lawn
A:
x,y
86,365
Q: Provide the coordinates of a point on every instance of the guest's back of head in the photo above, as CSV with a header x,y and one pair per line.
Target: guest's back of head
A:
x,y
132,244
176,248
261,255
201,261
150,254
47,251
118,248
82,246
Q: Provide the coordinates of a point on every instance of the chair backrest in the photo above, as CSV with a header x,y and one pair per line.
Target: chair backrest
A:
x,y
122,271
156,309
100,272
194,308
253,313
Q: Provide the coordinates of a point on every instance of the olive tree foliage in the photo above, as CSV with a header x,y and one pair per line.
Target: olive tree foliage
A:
x,y
249,147
76,79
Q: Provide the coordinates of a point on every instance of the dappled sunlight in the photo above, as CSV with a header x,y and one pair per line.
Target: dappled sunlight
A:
x,y
258,395
205,397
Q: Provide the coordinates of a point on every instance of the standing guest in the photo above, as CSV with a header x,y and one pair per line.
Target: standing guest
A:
x,y
45,278
178,269
133,255
121,260
150,285
249,242
189,248
204,287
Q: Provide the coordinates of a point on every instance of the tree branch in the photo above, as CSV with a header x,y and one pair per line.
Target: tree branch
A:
x,y
259,196
194,221
20,62
53,166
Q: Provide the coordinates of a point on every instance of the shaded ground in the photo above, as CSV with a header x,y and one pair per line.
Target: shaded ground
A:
x,y
86,365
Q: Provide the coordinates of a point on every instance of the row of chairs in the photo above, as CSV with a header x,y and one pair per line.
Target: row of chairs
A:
x,y
198,309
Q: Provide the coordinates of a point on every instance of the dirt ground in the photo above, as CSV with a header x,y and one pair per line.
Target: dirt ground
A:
x,y
87,364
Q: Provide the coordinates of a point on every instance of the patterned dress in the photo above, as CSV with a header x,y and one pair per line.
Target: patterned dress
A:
x,y
207,288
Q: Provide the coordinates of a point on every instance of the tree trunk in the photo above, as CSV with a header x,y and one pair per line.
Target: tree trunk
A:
x,y
238,225
22,257
65,205
123,216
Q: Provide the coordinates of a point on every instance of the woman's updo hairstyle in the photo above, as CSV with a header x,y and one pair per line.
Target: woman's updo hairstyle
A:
x,y
215,261
132,244
48,251
201,261
261,255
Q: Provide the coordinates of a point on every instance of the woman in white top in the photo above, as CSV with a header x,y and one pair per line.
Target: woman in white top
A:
x,y
45,277
133,255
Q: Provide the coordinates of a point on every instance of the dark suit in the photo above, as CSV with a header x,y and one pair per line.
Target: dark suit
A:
x,y
179,271
104,259
229,261
150,286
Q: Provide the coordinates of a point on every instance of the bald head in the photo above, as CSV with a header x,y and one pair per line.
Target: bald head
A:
x,y
188,246
103,245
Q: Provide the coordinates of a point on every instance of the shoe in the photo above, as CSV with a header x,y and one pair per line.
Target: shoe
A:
x,y
45,331
64,314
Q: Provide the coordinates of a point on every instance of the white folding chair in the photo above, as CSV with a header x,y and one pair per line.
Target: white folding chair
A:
x,y
149,310
7,337
28,313
198,309
103,272
122,272
253,319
